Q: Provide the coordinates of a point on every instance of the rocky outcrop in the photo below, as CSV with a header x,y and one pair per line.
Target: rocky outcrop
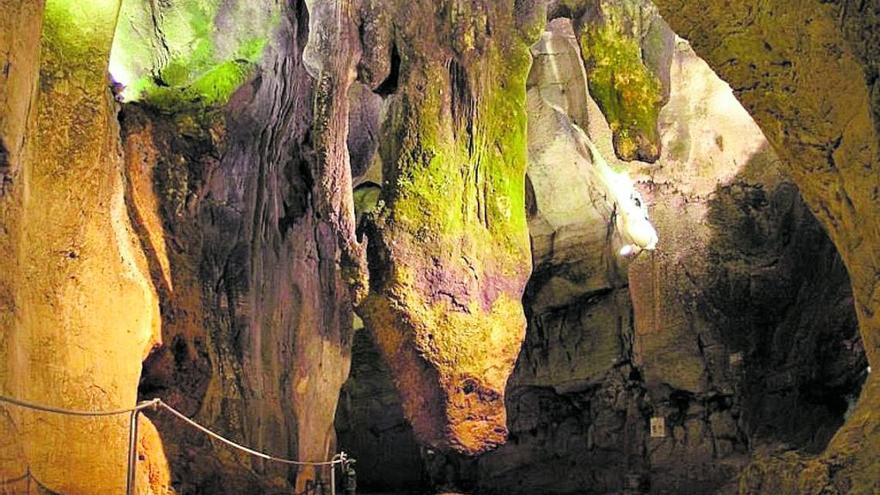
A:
x,y
204,215
179,54
806,71
737,332
224,225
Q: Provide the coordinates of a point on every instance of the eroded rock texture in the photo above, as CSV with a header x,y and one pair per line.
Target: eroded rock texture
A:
x,y
226,214
811,86
84,312
257,319
449,253
204,215
738,331
18,89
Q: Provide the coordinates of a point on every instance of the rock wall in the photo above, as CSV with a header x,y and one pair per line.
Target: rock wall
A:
x,y
85,313
738,331
194,214
18,89
257,316
625,46
807,72
217,241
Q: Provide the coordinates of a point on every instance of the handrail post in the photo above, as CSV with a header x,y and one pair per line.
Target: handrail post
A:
x,y
333,477
132,453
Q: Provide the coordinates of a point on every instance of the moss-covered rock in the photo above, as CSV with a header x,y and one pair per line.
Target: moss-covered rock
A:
x,y
449,247
185,54
626,47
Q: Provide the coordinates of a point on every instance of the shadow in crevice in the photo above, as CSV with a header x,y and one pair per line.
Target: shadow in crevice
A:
x,y
371,427
781,299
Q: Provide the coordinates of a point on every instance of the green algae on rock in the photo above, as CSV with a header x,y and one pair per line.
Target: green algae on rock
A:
x,y
449,249
626,48
179,55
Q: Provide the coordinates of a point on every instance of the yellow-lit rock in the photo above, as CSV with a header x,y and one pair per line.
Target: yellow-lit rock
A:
x,y
20,31
86,313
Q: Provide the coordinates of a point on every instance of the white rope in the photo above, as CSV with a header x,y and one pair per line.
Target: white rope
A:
x,y
153,403
339,459
73,412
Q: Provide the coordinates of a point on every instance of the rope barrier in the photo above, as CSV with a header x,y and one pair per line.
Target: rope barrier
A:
x,y
72,412
338,459
153,404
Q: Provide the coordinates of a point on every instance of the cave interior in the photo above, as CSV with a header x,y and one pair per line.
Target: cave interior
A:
x,y
439,247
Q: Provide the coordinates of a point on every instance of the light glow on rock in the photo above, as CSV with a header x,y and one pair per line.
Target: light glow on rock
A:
x,y
632,214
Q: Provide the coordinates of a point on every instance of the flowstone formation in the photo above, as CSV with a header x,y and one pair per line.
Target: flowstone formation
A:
x,y
449,251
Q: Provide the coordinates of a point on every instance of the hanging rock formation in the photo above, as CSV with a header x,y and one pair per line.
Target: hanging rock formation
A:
x,y
449,253
625,46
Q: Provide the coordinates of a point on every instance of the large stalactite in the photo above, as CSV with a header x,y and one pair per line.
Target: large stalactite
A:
x,y
449,252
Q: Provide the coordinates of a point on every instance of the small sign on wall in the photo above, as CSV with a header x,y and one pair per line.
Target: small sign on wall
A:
x,y
736,359
658,427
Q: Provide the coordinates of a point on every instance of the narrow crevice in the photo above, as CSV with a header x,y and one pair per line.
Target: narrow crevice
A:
x,y
389,86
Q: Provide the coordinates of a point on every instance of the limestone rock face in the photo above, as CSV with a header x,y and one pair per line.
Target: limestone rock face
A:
x,y
85,312
573,224
20,31
737,330
176,52
277,164
449,254
812,88
203,217
257,316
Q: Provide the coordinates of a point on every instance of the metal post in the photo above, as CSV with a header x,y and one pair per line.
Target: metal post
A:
x,y
333,478
132,453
